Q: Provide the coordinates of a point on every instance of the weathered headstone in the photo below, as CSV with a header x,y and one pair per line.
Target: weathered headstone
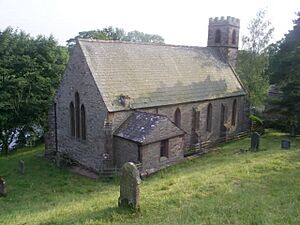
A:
x,y
2,187
58,159
129,186
293,131
21,166
255,141
285,144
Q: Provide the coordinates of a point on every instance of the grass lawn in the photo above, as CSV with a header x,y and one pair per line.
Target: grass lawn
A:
x,y
221,187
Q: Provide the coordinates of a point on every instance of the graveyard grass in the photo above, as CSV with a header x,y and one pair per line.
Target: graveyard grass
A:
x,y
221,187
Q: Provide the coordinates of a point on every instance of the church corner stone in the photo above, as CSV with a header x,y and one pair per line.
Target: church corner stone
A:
x,y
129,187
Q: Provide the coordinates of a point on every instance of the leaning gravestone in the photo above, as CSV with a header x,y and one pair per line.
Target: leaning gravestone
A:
x,y
129,186
2,187
21,166
255,141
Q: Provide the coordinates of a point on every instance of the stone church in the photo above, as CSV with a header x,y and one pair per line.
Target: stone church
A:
x,y
151,104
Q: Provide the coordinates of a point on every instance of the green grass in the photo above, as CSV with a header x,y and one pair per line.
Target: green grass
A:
x,y
221,187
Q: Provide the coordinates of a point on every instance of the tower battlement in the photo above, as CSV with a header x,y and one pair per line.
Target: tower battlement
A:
x,y
220,21
223,34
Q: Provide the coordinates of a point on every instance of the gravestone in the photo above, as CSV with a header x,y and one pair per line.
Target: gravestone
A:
x,y
255,141
58,160
129,187
2,187
285,144
21,166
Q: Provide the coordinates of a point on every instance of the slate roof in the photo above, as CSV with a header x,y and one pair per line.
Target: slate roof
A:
x,y
149,75
147,128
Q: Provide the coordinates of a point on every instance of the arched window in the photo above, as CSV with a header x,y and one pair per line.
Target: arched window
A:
x,y
209,118
77,115
72,119
218,36
83,122
233,39
234,108
177,117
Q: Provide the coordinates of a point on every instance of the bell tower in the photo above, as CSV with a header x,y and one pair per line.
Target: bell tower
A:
x,y
223,33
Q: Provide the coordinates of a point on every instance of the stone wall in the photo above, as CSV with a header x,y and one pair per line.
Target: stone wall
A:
x,y
77,78
203,136
50,136
151,160
125,151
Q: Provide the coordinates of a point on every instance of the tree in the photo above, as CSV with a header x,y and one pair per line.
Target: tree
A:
x,y
30,71
111,33
284,70
253,59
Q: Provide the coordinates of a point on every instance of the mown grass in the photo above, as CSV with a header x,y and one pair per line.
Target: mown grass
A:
x,y
221,187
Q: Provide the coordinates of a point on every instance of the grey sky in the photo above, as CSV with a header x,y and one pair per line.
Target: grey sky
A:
x,y
178,21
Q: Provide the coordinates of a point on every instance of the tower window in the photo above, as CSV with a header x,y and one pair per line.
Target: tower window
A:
x,y
177,118
233,40
218,36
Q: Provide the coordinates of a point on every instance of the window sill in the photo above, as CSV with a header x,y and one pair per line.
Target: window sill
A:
x,y
163,159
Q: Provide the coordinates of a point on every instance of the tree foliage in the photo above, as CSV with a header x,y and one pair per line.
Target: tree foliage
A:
x,y
253,59
30,71
284,70
260,32
111,33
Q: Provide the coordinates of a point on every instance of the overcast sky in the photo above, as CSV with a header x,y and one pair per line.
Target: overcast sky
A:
x,y
181,22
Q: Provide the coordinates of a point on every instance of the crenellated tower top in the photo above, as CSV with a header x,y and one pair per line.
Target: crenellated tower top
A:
x,y
223,32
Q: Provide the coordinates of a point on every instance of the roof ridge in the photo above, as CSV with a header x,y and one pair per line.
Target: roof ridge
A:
x,y
136,43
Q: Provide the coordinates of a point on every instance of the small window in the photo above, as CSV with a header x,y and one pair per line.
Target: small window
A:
x,y
83,122
218,36
164,148
233,40
234,108
209,118
177,118
72,119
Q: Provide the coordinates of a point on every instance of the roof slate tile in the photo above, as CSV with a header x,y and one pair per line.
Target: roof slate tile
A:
x,y
153,75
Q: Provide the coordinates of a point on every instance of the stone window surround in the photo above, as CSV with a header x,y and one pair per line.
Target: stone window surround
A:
x,y
78,123
177,117
164,149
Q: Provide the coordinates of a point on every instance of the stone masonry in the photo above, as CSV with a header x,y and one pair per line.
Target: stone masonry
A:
x,y
114,80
